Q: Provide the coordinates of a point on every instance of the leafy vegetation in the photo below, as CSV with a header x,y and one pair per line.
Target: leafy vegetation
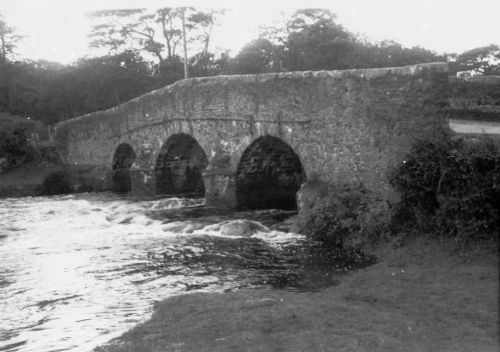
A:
x,y
312,40
483,60
57,182
450,188
15,145
342,216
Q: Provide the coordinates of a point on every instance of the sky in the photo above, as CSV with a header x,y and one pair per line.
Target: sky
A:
x,y
56,30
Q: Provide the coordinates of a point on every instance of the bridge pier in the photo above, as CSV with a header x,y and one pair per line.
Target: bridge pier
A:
x,y
220,181
220,189
143,182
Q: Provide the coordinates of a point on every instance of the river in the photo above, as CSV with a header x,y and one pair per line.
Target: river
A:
x,y
78,270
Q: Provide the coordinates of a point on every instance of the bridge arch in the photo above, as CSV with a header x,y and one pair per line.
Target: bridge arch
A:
x,y
180,165
268,175
123,159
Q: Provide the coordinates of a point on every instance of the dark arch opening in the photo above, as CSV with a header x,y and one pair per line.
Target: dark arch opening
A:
x,y
122,161
268,176
180,166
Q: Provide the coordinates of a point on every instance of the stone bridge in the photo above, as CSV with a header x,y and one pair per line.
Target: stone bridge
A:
x,y
249,141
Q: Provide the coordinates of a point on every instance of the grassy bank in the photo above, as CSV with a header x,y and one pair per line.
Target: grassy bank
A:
x,y
420,297
25,180
28,180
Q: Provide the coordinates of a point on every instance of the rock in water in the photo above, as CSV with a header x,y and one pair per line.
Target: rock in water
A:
x,y
241,228
310,193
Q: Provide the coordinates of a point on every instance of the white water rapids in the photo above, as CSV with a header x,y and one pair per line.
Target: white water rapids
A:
x,y
78,270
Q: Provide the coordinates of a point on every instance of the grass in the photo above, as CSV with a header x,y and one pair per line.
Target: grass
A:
x,y
419,297
25,180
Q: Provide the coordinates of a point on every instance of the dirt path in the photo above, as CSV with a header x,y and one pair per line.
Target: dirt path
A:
x,y
420,297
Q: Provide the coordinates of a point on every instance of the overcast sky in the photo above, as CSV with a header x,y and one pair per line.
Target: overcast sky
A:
x,y
56,29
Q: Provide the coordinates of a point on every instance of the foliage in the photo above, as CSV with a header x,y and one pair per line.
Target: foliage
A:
x,y
483,60
202,65
342,217
15,145
258,56
389,53
315,41
374,223
57,182
8,41
13,142
158,33
52,92
107,81
451,188
312,40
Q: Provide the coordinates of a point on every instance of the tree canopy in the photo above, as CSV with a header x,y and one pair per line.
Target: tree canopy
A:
x,y
312,40
483,60
8,40
158,33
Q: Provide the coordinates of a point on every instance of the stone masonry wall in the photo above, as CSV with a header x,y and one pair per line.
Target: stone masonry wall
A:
x,y
343,125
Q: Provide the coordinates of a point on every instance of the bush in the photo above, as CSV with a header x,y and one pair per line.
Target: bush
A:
x,y
374,223
450,188
15,146
57,182
344,216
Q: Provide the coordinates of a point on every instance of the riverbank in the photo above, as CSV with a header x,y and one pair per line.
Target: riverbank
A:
x,y
26,180
419,297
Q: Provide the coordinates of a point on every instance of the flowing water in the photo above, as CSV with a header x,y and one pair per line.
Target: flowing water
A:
x,y
78,270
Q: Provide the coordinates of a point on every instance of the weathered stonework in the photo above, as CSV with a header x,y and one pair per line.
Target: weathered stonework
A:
x,y
343,125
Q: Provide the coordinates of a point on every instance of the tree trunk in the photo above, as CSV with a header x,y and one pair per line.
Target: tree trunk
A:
x,y
167,38
4,78
184,41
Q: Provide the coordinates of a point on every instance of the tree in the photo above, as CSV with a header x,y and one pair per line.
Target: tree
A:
x,y
483,60
390,53
168,18
315,41
202,25
156,33
258,56
51,92
204,65
107,81
312,40
8,41
127,29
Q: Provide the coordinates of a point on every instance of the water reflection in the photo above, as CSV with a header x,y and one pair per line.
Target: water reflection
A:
x,y
76,271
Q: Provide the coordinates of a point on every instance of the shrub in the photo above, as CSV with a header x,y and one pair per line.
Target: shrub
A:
x,y
15,146
342,217
57,182
374,223
451,188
